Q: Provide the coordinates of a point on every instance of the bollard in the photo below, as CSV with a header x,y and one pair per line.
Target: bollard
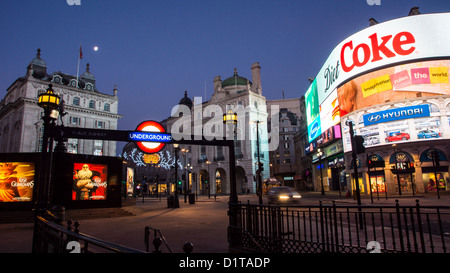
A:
x,y
188,247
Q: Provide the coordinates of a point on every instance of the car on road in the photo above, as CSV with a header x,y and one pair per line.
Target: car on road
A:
x,y
427,134
397,137
283,195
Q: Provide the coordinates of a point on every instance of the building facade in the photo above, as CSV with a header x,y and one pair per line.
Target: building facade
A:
x,y
283,159
20,116
205,169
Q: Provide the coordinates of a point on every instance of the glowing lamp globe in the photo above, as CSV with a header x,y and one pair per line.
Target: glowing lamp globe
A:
x,y
48,100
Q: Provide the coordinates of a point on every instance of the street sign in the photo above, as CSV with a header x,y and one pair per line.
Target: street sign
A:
x,y
150,136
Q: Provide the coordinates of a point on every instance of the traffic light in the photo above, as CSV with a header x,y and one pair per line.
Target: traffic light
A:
x,y
261,167
179,182
359,144
369,163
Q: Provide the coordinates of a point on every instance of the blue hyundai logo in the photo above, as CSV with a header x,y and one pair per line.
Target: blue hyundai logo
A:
x,y
374,118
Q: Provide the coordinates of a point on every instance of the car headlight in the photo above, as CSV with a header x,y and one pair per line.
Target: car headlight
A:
x,y
297,196
283,197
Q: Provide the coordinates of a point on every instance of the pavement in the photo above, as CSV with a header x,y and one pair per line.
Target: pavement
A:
x,y
204,224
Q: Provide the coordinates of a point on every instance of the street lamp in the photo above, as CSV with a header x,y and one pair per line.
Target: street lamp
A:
x,y
175,145
185,151
260,167
231,118
320,154
48,101
208,183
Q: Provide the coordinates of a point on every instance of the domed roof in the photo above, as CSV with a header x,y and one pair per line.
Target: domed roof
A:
x,y
235,80
88,75
37,61
186,101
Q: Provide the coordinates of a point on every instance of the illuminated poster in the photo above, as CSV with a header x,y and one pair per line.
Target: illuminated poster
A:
x,y
90,181
411,80
313,112
16,181
130,181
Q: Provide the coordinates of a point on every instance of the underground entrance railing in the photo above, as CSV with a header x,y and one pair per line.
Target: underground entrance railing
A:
x,y
335,228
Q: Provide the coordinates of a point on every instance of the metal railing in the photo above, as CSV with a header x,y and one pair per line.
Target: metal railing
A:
x,y
50,237
340,228
157,241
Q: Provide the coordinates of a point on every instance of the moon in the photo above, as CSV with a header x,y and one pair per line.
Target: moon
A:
x,y
95,48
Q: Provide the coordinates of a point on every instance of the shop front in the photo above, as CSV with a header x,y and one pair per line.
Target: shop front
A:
x,y
434,176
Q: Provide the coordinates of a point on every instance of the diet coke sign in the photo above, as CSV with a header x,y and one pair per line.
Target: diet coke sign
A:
x,y
376,49
402,40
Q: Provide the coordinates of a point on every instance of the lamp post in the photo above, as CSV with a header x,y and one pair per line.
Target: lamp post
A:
x,y
175,145
48,101
260,168
231,118
185,151
320,154
208,183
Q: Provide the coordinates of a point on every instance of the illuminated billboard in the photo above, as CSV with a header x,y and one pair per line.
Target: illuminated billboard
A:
x,y
16,181
90,181
396,44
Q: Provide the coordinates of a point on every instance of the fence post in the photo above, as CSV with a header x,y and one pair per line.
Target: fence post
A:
x,y
419,224
336,226
321,226
399,224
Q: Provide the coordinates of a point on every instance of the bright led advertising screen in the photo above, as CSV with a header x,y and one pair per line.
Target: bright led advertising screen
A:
x,y
394,60
16,181
90,181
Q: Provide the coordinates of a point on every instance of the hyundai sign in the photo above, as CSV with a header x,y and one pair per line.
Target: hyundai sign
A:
x,y
397,114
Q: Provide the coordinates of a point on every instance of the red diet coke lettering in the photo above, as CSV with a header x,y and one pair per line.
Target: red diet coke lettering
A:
x,y
399,46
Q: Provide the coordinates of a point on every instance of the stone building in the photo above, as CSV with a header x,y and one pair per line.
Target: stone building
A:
x,y
21,126
206,168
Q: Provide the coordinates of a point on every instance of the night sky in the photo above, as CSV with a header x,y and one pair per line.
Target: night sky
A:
x,y
155,50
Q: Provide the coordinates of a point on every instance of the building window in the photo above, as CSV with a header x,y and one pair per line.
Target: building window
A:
x,y
40,91
75,120
89,87
98,147
99,124
106,107
72,146
76,101
73,83
218,183
92,104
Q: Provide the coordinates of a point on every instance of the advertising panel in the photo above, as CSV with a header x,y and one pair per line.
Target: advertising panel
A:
x,y
394,84
130,181
90,181
393,44
16,181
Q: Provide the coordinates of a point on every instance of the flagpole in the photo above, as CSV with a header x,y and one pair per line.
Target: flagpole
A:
x,y
78,66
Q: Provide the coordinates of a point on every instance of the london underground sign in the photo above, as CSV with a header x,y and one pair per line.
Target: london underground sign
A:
x,y
150,136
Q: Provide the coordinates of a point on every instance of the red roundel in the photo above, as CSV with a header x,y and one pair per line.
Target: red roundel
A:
x,y
150,126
